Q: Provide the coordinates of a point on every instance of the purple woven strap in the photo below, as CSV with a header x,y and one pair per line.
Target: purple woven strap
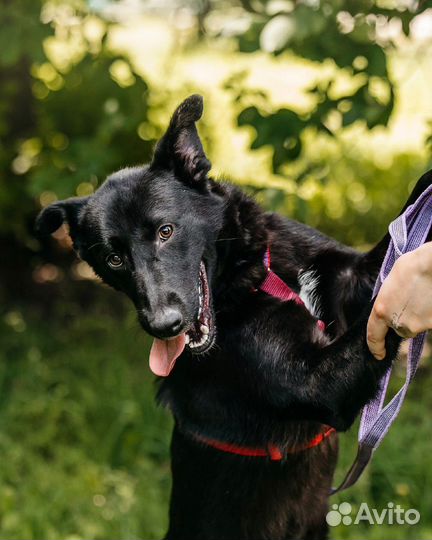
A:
x,y
408,232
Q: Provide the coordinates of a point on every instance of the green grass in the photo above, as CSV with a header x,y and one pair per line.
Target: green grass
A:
x,y
84,449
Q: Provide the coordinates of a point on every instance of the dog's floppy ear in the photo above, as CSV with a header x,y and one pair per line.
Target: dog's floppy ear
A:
x,y
53,216
180,149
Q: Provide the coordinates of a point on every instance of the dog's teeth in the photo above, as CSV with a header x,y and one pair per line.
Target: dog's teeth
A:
x,y
200,305
204,329
187,339
200,343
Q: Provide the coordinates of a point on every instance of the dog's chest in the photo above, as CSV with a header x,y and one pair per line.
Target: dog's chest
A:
x,y
309,291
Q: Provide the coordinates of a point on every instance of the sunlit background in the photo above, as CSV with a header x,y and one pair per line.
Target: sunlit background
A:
x,y
321,109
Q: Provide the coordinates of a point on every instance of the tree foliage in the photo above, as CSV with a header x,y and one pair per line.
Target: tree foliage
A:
x,y
63,124
349,35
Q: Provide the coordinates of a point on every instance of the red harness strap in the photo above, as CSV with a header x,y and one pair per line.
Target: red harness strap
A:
x,y
273,452
274,286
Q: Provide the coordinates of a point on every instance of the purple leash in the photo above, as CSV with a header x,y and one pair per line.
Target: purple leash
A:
x,y
408,232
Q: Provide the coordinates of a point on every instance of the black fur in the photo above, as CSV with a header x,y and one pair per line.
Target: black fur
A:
x,y
271,377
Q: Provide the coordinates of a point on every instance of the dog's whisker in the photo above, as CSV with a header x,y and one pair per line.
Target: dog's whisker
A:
x,y
228,239
95,245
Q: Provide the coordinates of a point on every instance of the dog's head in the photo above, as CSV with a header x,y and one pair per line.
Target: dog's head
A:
x,y
150,232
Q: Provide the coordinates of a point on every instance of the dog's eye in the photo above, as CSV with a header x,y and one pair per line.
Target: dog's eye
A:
x,y
114,260
165,232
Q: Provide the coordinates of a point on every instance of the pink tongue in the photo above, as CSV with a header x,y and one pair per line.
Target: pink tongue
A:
x,y
164,353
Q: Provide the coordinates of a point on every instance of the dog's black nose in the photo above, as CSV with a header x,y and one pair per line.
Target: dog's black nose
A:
x,y
166,323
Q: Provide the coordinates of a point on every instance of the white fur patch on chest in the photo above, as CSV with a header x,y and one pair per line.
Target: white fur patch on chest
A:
x,y
309,280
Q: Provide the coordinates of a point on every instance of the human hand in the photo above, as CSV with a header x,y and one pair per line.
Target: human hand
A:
x,y
404,301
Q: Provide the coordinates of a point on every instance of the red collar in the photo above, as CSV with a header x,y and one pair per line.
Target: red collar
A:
x,y
274,286
273,452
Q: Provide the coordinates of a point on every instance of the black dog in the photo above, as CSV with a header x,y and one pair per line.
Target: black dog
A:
x,y
244,372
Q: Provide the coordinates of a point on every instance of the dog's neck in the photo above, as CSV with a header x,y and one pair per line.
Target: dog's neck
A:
x,y
241,245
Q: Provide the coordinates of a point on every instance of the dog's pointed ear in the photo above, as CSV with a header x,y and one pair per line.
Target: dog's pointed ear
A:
x,y
180,149
53,216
